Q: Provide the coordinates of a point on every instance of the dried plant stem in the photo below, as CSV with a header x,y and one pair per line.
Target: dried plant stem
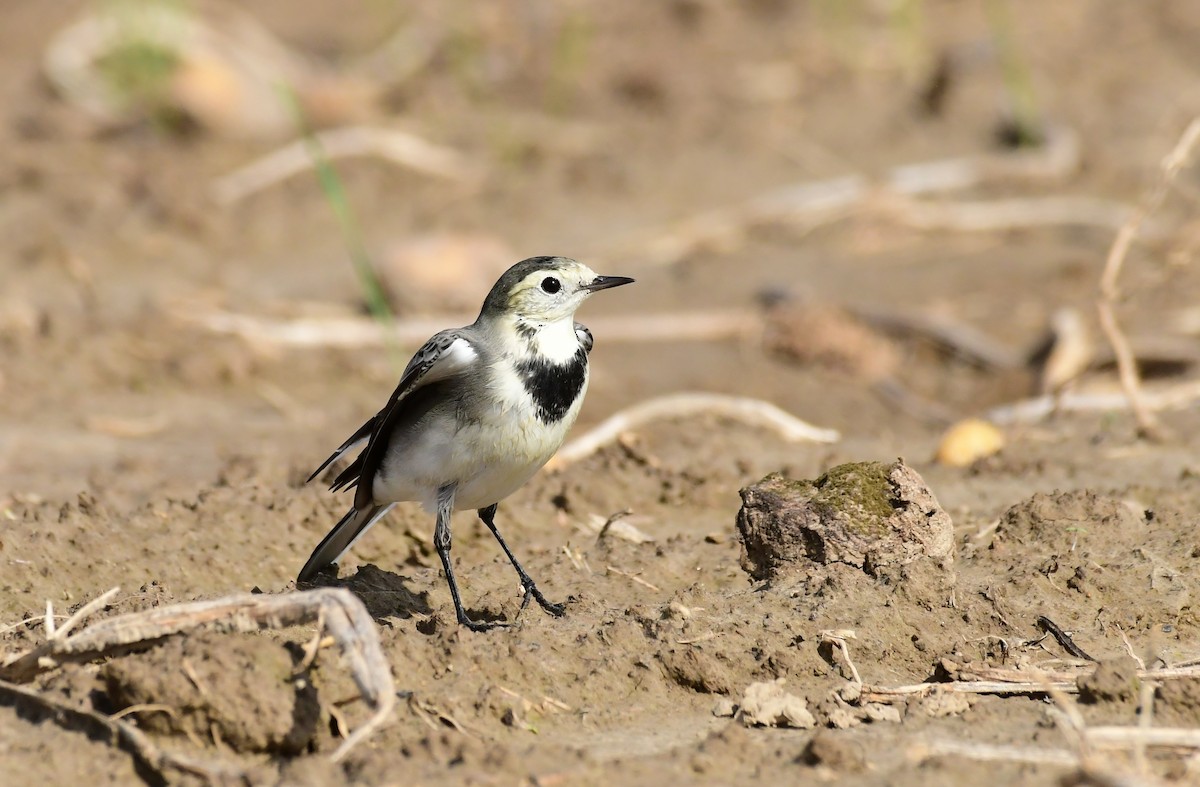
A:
x,y
1001,681
398,147
1148,424
361,332
752,411
1110,738
1028,410
989,752
818,202
342,613
1002,688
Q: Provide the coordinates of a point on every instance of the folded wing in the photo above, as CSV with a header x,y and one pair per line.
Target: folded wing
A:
x,y
446,355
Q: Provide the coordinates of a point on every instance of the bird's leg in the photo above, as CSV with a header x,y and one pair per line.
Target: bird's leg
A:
x,y
488,515
441,542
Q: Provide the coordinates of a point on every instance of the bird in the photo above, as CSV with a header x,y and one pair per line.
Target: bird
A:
x,y
478,410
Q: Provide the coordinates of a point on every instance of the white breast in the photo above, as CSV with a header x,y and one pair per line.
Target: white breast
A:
x,y
489,457
507,450
557,342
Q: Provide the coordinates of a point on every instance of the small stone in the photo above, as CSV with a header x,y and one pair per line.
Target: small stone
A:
x,y
879,711
768,705
968,441
940,704
842,718
724,708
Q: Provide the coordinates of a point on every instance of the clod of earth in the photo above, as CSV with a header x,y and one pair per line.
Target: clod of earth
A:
x,y
241,686
1113,680
1059,521
1178,703
696,669
839,753
770,705
870,515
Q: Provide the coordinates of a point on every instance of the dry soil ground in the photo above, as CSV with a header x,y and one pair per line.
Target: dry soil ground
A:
x,y
138,449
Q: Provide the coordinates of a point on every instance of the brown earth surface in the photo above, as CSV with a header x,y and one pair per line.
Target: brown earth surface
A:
x,y
139,450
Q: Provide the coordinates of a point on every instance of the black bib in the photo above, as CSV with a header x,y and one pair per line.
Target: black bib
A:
x,y
554,387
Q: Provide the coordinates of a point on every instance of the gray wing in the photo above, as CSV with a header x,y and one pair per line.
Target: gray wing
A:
x,y
447,354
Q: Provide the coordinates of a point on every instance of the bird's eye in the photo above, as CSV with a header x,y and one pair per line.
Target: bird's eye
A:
x,y
551,285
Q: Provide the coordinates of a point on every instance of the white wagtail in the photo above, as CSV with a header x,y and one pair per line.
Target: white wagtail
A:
x,y
477,412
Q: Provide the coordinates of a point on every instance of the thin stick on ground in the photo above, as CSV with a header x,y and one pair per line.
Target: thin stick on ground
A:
x,y
817,202
1006,215
398,147
86,611
1001,681
1069,720
348,331
633,577
1145,721
343,614
751,411
1148,424
1171,397
990,752
1129,648
837,638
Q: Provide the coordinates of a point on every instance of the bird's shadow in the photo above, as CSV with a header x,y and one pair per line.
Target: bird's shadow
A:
x,y
384,593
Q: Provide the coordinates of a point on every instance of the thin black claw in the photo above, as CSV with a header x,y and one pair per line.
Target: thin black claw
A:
x,y
557,610
483,625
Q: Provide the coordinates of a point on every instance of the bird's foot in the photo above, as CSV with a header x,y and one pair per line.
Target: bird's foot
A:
x,y
482,625
531,590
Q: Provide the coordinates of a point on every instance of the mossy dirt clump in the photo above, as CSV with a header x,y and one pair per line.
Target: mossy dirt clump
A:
x,y
869,515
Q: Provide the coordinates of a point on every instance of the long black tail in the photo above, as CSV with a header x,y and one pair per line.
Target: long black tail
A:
x,y
351,527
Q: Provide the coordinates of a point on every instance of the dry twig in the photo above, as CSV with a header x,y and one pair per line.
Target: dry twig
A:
x,y
1129,648
1145,721
633,577
1010,214
818,202
1063,638
398,147
837,638
344,616
958,337
365,332
989,752
1148,423
752,411
1169,397
1005,681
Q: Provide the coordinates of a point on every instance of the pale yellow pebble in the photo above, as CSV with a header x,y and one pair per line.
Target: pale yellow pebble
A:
x,y
968,441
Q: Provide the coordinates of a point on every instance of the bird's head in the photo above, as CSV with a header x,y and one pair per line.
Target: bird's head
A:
x,y
544,290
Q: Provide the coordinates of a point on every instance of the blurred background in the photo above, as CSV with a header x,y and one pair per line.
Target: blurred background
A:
x,y
883,216
224,228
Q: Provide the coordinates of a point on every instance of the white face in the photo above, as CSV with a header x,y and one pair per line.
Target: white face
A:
x,y
551,295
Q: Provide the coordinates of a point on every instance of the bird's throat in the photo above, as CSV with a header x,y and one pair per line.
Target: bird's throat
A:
x,y
555,342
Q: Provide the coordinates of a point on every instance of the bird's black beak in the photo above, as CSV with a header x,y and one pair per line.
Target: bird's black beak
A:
x,y
606,282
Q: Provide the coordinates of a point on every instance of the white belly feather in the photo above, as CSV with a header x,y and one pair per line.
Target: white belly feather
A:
x,y
489,458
